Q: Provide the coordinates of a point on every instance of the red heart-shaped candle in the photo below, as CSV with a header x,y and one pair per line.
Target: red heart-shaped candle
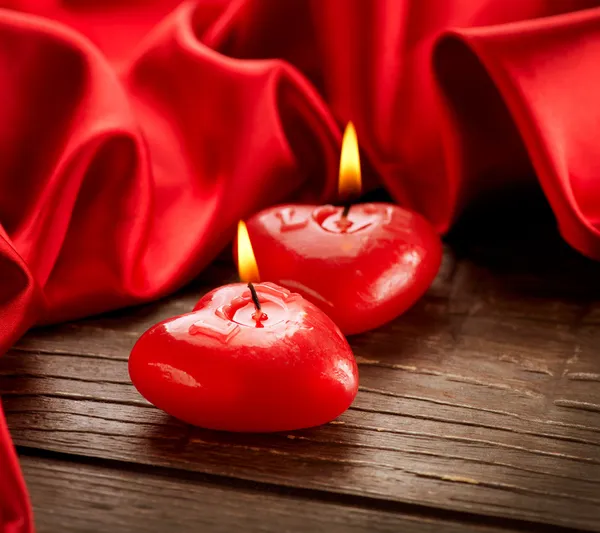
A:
x,y
363,269
223,367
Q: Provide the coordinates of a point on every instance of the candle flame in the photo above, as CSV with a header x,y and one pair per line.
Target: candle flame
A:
x,y
349,184
247,267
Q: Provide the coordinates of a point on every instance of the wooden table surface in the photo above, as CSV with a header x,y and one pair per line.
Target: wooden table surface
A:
x,y
478,411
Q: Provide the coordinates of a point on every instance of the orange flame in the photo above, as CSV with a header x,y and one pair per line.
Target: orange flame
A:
x,y
349,184
247,267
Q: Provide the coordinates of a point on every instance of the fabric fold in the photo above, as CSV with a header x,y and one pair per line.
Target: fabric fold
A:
x,y
15,508
527,89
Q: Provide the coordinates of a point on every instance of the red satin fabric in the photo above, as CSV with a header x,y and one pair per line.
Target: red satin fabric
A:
x,y
134,134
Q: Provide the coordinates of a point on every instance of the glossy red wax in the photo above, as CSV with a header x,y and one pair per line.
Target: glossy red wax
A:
x,y
217,368
363,271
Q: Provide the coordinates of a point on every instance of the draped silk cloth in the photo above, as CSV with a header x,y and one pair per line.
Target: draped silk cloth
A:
x,y
135,133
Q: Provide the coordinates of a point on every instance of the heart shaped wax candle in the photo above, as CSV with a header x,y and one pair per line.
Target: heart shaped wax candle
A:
x,y
231,364
363,265
363,269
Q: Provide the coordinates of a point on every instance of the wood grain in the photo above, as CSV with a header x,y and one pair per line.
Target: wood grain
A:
x,y
484,399
455,411
81,498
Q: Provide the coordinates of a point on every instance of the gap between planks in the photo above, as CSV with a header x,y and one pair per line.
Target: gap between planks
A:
x,y
466,521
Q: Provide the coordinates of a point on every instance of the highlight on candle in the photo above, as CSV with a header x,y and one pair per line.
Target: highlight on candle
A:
x,y
247,267
349,184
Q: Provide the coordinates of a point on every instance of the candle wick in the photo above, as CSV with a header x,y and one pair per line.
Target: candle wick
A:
x,y
346,210
259,314
254,296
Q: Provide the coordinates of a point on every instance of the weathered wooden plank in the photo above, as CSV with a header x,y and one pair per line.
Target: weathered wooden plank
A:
x,y
78,498
476,361
483,398
354,457
447,421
